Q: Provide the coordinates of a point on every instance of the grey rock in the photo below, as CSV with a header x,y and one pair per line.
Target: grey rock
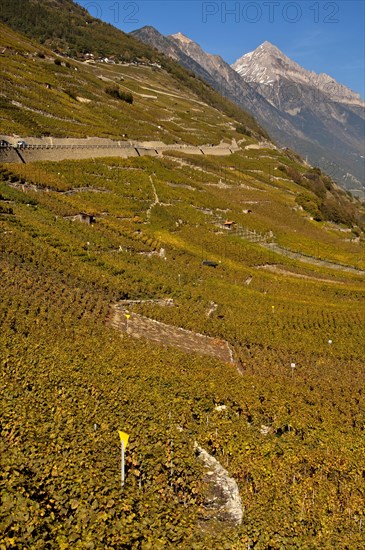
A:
x,y
223,497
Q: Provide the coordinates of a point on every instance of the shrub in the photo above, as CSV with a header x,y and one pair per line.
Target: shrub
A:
x,y
337,211
316,170
72,94
5,210
294,175
117,93
319,188
311,176
310,203
243,130
126,96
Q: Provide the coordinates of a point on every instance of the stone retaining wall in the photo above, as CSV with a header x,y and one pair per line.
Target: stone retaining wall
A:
x,y
58,149
139,326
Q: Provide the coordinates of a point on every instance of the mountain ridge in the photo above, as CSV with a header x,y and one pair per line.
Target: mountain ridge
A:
x,y
72,32
267,53
296,112
184,120
108,264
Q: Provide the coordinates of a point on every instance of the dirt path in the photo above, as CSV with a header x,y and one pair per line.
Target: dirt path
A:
x,y
155,201
280,271
73,191
311,259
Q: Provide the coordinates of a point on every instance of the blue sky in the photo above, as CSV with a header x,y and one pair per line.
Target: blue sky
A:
x,y
320,35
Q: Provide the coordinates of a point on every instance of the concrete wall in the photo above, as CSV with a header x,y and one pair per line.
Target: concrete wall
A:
x,y
216,151
69,153
57,149
8,155
147,152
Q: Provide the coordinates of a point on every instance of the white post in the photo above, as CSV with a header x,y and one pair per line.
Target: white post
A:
x,y
122,464
292,369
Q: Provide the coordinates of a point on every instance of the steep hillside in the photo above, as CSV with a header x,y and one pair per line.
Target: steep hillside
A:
x,y
65,26
82,34
192,300
322,121
70,381
70,98
78,100
214,70
328,113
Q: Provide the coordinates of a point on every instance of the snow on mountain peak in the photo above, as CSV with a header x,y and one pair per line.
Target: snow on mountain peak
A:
x,y
269,47
181,37
266,56
268,65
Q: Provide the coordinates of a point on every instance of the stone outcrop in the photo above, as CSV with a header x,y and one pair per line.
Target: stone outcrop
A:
x,y
223,499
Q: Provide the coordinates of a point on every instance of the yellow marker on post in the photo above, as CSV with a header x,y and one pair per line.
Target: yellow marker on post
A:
x,y
124,437
127,316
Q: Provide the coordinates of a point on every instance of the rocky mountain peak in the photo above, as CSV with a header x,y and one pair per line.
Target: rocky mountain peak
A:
x,y
148,30
306,111
265,64
195,51
268,65
269,47
181,38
